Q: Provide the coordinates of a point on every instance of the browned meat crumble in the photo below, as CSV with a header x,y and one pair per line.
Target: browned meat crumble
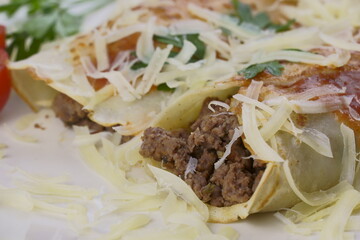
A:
x,y
71,113
233,182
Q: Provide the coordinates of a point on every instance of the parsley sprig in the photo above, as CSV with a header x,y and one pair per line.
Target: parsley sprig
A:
x,y
47,20
262,20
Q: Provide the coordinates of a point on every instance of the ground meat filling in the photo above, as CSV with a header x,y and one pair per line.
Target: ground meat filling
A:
x,y
233,182
71,113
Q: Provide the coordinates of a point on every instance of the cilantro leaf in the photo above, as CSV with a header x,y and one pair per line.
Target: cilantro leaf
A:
x,y
273,67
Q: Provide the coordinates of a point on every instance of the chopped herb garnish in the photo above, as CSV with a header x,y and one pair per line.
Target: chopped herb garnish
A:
x,y
47,20
282,27
138,65
244,14
164,87
273,67
200,47
173,54
242,11
178,41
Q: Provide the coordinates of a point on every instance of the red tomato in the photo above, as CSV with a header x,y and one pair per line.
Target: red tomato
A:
x,y
5,81
2,37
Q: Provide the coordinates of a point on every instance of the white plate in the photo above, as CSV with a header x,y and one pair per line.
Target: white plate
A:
x,y
54,155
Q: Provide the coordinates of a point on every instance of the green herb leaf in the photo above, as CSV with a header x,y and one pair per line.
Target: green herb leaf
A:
x,y
138,65
39,25
200,47
68,24
243,12
174,40
282,27
164,87
273,67
262,20
47,21
178,41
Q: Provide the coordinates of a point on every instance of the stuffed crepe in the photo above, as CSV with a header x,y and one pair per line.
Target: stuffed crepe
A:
x,y
257,150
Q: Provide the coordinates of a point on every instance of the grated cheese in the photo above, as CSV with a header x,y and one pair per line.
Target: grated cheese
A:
x,y
349,154
218,103
172,204
237,134
315,198
145,46
243,31
212,39
186,52
334,225
125,32
130,224
181,189
277,120
316,92
16,198
253,136
337,59
82,83
321,105
152,71
317,141
123,87
339,42
101,52
57,189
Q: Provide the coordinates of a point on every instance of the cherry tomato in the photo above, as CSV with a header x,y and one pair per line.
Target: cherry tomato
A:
x,y
5,80
2,37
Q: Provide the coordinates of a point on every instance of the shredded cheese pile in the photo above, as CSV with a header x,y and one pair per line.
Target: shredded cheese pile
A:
x,y
328,25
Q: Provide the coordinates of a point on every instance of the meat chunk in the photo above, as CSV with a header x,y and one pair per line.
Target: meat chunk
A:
x,y
71,113
68,110
170,148
234,182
